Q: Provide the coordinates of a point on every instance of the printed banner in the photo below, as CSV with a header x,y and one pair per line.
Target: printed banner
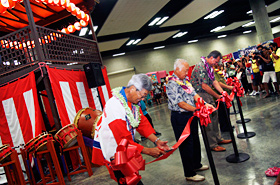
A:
x,y
20,115
72,93
227,57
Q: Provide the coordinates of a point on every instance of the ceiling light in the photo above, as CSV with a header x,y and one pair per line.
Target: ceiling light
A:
x,y
83,31
222,36
94,28
119,54
214,14
274,20
154,21
191,41
248,24
249,31
130,42
250,12
180,34
136,42
162,20
159,47
217,29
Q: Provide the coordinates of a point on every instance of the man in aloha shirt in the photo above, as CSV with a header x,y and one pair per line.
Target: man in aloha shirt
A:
x,y
203,79
120,118
181,97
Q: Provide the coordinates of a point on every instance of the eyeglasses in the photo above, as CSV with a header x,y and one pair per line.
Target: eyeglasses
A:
x,y
139,94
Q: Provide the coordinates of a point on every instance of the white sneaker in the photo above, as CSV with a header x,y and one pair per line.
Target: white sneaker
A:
x,y
257,93
196,178
252,93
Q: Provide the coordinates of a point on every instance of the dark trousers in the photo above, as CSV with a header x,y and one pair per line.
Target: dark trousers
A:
x,y
190,149
119,174
224,126
149,119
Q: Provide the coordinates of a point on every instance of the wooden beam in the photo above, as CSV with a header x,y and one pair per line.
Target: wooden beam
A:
x,y
53,18
8,26
19,19
46,7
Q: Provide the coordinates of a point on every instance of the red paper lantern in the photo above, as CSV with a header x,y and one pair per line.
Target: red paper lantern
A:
x,y
56,2
81,15
71,28
83,23
75,11
4,4
3,43
77,26
86,18
70,7
12,4
50,2
78,14
62,3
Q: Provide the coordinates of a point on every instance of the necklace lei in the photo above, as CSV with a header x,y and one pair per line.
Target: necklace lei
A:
x,y
133,122
209,69
187,88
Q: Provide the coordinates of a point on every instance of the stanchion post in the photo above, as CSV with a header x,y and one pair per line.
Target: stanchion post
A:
x,y
234,110
209,154
236,157
245,134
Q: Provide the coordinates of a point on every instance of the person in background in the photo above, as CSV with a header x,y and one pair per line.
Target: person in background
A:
x,y
181,102
257,80
203,79
275,56
157,93
224,126
146,114
149,99
230,69
269,71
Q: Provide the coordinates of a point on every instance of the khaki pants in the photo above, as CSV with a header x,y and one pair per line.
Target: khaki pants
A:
x,y
213,129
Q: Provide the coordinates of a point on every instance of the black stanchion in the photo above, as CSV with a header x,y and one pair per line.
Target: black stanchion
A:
x,y
245,134
234,110
236,157
209,154
246,120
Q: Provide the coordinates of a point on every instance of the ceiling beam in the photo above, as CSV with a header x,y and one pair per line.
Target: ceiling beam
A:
x,y
19,19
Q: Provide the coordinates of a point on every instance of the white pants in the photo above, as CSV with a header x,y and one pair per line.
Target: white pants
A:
x,y
269,75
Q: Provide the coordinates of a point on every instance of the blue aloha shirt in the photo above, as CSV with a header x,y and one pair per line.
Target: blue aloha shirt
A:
x,y
199,75
176,94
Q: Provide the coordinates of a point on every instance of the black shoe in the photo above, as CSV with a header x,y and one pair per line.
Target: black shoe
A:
x,y
158,134
143,138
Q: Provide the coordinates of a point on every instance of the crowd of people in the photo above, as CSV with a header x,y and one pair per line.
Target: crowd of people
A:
x,y
122,115
259,71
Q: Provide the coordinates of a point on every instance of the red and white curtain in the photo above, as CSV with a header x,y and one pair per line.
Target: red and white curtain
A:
x,y
72,93
20,115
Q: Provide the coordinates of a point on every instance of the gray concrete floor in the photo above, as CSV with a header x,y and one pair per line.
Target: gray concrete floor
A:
x,y
263,150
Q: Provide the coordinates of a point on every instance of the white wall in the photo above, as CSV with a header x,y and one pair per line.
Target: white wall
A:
x,y
156,60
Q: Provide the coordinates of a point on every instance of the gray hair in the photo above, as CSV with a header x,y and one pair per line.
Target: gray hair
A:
x,y
179,63
140,81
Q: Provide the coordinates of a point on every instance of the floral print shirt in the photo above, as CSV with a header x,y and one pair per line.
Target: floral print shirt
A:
x,y
176,94
199,75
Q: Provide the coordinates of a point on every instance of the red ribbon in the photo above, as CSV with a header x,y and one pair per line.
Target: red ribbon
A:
x,y
203,112
129,161
226,98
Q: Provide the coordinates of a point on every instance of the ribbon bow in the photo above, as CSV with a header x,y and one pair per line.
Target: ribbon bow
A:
x,y
129,161
238,89
230,81
227,99
202,112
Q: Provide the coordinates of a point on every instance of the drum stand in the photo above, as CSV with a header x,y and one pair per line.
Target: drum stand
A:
x,y
50,154
13,170
27,165
83,168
